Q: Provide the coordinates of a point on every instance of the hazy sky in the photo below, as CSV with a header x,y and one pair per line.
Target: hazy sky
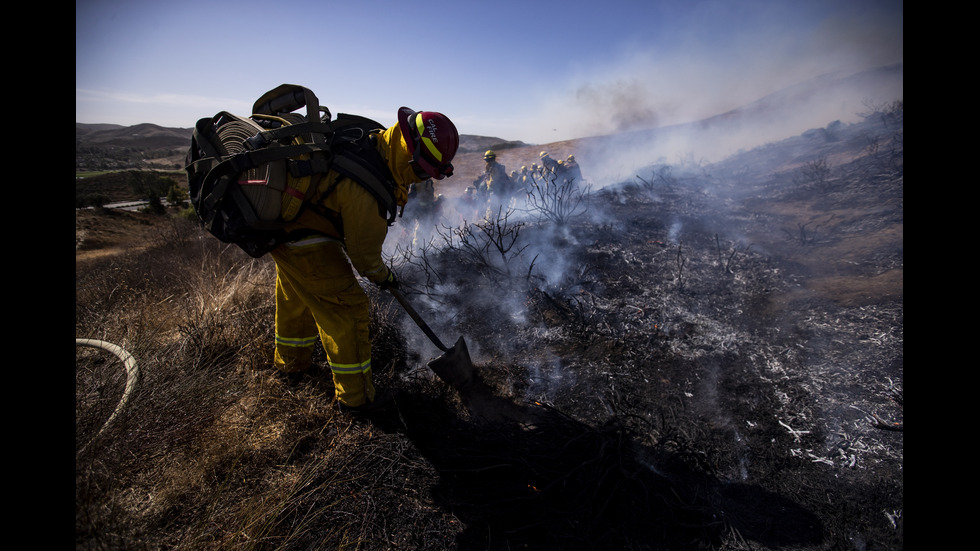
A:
x,y
537,71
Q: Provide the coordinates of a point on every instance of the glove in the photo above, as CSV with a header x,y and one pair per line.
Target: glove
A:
x,y
391,282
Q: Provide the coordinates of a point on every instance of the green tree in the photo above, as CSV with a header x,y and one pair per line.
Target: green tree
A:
x,y
177,196
148,184
155,205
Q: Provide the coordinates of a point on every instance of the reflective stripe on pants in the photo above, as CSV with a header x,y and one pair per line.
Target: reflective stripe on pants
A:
x,y
318,294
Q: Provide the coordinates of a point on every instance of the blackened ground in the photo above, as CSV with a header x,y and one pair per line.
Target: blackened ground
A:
x,y
723,368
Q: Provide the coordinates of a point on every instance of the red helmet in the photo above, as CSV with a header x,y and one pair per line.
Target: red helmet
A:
x,y
432,140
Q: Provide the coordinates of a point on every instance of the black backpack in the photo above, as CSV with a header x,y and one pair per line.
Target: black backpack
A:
x,y
250,177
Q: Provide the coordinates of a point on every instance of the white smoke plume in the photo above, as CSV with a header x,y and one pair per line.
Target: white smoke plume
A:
x,y
615,157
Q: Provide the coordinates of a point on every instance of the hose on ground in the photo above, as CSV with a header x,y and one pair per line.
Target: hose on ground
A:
x,y
132,374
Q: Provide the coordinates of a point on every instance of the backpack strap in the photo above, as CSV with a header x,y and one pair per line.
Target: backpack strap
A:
x,y
360,161
316,132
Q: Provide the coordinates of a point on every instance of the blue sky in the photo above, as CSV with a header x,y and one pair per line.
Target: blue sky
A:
x,y
537,71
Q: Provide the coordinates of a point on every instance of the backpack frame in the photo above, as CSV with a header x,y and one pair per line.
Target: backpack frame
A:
x,y
250,177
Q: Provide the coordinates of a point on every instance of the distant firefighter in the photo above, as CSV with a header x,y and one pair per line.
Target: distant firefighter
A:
x,y
548,165
524,180
424,200
535,173
572,170
494,180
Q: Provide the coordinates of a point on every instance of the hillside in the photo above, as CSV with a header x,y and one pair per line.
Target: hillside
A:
x,y
148,146
608,158
710,357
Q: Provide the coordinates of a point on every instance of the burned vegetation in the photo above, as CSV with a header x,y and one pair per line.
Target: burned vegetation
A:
x,y
708,356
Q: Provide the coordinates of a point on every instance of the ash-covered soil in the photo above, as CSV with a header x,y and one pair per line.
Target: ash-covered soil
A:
x,y
719,364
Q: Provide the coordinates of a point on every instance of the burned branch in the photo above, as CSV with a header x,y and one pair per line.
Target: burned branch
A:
x,y
801,234
421,262
491,247
816,174
557,200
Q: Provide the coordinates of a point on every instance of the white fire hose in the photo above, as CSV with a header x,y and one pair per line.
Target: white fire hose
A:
x,y
132,373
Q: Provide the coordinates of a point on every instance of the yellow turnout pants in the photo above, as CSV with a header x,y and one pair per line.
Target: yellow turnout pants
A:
x,y
318,296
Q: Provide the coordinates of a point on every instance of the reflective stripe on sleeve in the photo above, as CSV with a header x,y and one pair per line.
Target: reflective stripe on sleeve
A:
x,y
312,241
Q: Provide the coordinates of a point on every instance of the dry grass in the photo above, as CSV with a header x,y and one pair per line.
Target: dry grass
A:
x,y
215,451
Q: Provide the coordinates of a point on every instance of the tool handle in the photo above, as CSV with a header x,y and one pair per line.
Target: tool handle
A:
x,y
418,319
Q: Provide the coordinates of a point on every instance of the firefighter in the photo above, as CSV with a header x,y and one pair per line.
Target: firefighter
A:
x,y
428,202
427,193
549,167
482,182
317,292
572,170
536,173
497,182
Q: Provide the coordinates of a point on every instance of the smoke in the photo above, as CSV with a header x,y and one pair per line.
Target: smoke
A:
x,y
475,265
674,232
626,104
717,58
615,157
547,378
482,260
723,77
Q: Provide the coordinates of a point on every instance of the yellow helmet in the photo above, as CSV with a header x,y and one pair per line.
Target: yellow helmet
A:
x,y
543,154
489,155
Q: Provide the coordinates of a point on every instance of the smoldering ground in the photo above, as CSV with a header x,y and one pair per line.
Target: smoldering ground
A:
x,y
660,331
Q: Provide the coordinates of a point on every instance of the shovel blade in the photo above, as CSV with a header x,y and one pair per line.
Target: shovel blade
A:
x,y
455,367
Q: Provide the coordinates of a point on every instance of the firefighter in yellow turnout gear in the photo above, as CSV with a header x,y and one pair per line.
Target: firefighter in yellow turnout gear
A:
x,y
317,293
